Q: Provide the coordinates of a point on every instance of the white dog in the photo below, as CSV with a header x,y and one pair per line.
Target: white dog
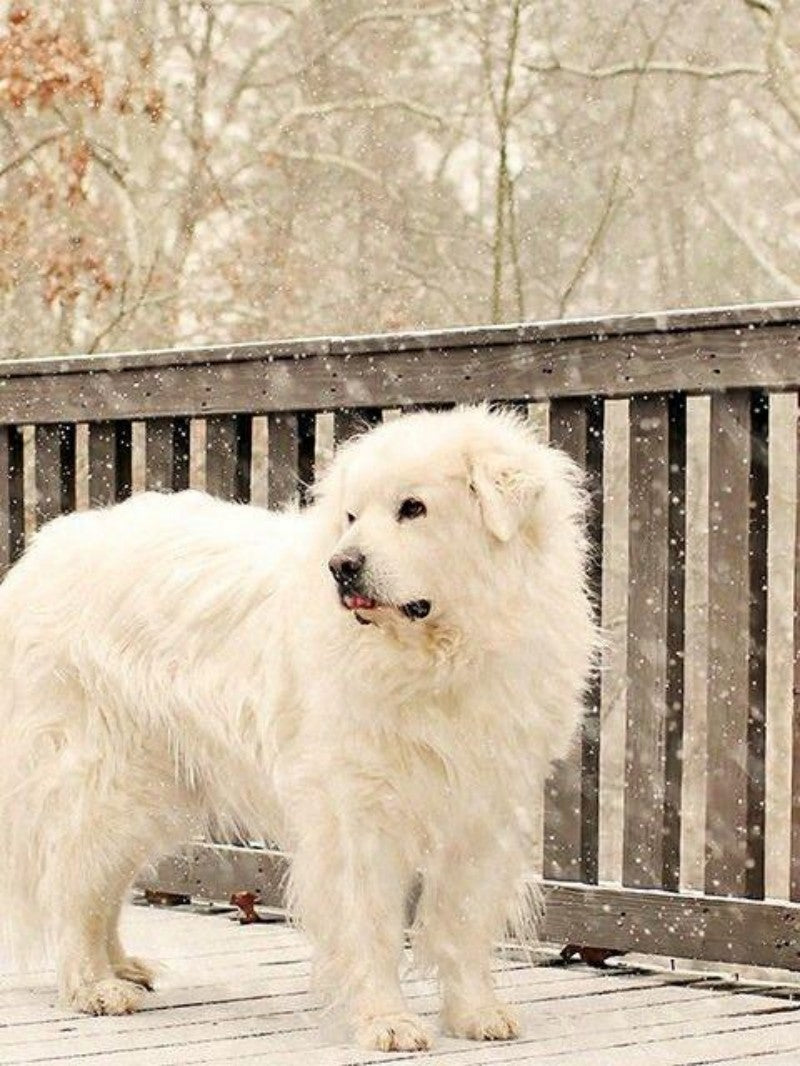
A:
x,y
379,683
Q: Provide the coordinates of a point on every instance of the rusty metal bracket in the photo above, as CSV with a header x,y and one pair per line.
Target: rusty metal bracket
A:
x,y
596,957
245,903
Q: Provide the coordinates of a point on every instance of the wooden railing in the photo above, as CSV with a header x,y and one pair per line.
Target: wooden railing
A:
x,y
674,816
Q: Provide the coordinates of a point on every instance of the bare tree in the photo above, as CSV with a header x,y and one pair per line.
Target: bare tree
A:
x,y
222,169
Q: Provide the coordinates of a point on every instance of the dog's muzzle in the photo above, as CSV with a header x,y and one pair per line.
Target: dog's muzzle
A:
x,y
347,568
349,572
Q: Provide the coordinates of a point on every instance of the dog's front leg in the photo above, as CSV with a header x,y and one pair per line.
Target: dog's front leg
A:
x,y
348,888
465,897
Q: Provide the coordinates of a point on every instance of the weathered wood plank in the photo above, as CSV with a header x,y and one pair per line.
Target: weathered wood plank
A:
x,y
110,459
644,920
307,452
571,800
647,650
167,454
757,661
629,364
741,318
12,503
676,643
214,1031
794,874
229,445
726,768
283,446
736,679
55,471
48,473
655,642
280,1022
290,456
6,503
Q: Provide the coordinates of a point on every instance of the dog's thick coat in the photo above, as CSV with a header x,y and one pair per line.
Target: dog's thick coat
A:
x,y
176,661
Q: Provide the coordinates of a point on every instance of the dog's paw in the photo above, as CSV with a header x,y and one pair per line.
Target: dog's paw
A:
x,y
109,996
136,970
393,1032
496,1022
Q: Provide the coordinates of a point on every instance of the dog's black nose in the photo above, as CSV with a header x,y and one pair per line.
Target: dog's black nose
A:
x,y
346,566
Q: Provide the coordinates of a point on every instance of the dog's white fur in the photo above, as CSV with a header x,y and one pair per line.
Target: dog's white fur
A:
x,y
175,661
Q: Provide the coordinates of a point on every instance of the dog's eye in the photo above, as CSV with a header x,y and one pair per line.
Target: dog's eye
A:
x,y
350,518
411,508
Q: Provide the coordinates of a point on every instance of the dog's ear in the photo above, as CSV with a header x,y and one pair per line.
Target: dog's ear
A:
x,y
507,487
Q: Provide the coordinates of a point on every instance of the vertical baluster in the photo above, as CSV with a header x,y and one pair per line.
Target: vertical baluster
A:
x,y
737,612
757,661
167,454
12,504
291,449
676,643
110,452
571,808
795,816
229,445
657,518
55,470
307,436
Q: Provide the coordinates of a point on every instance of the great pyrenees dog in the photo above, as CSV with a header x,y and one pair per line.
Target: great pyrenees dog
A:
x,y
379,683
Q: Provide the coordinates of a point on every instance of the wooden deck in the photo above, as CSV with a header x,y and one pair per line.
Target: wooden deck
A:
x,y
232,994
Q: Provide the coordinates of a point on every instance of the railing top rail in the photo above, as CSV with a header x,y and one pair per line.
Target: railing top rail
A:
x,y
744,316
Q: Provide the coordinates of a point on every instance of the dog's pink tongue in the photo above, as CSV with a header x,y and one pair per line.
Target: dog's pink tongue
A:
x,y
355,602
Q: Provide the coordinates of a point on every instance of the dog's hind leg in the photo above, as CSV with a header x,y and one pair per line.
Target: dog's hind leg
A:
x,y
97,864
127,967
87,977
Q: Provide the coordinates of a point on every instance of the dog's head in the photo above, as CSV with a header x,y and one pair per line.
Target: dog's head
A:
x,y
430,515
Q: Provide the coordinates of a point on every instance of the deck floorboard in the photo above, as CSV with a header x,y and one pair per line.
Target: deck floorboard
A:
x,y
230,994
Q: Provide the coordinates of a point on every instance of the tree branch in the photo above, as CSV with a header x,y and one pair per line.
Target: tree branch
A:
x,y
781,78
399,14
31,150
619,70
365,103
332,159
126,310
105,158
767,6
501,109
756,253
597,235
